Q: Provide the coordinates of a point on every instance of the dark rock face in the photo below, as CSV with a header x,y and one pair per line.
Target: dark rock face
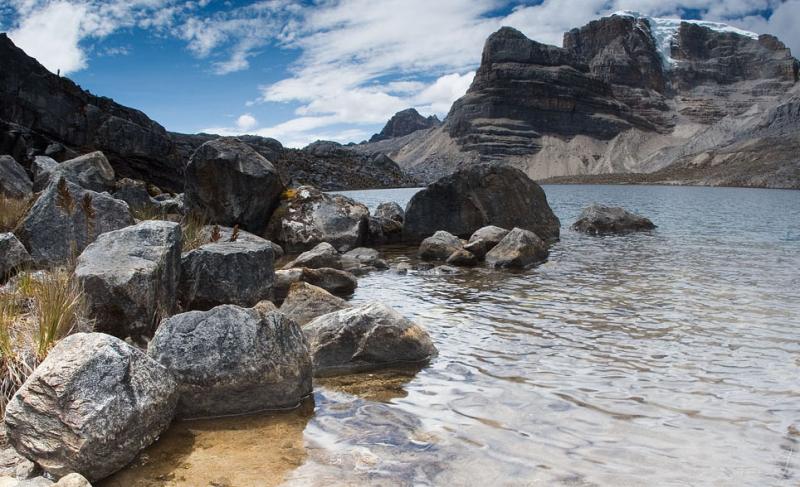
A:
x,y
14,181
130,277
518,249
42,109
90,407
90,171
230,183
13,256
306,302
232,360
405,122
600,219
479,196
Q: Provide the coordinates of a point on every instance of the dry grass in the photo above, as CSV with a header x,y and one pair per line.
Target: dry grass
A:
x,y
192,228
11,212
148,213
289,194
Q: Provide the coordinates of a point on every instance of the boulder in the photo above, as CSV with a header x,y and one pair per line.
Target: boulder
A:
x,y
366,337
73,480
90,407
462,258
226,234
66,218
240,273
335,281
130,277
42,164
264,307
439,246
323,255
478,196
135,194
231,360
13,255
390,211
309,216
306,302
382,231
491,234
363,259
520,248
230,183
90,171
600,219
14,181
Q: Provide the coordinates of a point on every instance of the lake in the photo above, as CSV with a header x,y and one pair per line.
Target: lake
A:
x,y
663,358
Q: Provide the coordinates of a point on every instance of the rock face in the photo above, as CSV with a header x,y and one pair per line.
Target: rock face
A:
x,y
306,302
231,360
90,171
66,218
230,183
130,277
439,246
601,219
479,196
238,273
309,217
14,181
405,122
366,337
13,255
323,255
90,407
519,249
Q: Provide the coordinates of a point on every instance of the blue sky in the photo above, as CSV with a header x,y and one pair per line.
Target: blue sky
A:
x,y
302,71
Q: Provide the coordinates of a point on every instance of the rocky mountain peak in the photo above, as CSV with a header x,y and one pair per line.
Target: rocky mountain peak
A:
x,y
405,122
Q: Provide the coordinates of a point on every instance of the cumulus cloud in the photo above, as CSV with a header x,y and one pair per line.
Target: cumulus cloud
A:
x,y
246,122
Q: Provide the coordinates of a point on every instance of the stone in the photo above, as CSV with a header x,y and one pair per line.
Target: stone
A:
x,y
391,211
41,165
305,302
130,277
90,407
600,219
240,273
226,233
519,249
229,183
383,231
323,255
439,246
366,337
231,360
135,194
462,258
73,480
479,196
490,234
66,218
13,256
478,248
14,181
335,281
362,260
308,216
265,307
90,171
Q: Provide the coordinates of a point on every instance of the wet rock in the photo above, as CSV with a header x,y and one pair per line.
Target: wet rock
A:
x,y
14,181
310,216
390,211
90,407
231,360
439,246
130,277
491,234
335,281
306,302
520,248
367,337
476,197
13,256
240,273
323,255
462,258
66,218
90,171
601,219
362,260
444,270
230,183
382,231
226,235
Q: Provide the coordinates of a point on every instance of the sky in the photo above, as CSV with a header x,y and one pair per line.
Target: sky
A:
x,y
311,70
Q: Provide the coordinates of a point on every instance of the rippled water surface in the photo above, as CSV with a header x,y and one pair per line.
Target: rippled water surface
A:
x,y
664,358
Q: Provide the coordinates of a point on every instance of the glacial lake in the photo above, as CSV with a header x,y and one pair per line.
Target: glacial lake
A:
x,y
668,358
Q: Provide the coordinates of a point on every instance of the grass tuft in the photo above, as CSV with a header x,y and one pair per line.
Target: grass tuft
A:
x,y
11,212
192,227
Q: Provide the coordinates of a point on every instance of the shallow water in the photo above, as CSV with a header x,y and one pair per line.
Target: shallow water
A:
x,y
662,358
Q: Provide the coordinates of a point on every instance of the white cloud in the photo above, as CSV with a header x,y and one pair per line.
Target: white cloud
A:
x,y
246,122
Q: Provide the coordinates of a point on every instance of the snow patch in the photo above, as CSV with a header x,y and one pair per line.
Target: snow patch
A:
x,y
665,30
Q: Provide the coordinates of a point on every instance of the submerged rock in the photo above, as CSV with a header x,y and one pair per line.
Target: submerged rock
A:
x,y
90,407
323,255
305,302
519,248
362,260
130,277
600,219
367,337
462,258
439,246
232,360
90,171
484,239
14,181
13,256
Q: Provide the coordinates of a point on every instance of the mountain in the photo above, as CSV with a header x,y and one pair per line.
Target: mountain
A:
x,y
661,99
405,122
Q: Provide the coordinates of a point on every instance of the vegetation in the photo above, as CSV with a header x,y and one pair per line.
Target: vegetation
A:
x,y
192,226
11,212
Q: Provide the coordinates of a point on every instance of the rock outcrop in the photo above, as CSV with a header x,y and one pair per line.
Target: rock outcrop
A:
x,y
518,249
600,219
14,181
405,122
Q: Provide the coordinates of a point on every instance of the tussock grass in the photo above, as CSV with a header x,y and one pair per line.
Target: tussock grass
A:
x,y
192,227
11,212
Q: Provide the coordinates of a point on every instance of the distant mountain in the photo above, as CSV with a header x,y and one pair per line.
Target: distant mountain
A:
x,y
405,122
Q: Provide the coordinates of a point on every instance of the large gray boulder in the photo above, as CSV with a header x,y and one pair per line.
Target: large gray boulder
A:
x,y
14,181
481,195
230,183
335,281
232,360
66,218
600,219
367,337
13,255
323,255
90,171
306,302
520,248
310,216
439,246
90,407
226,234
239,272
130,277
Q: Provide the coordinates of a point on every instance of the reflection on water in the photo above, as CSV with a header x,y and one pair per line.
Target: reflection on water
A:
x,y
665,358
